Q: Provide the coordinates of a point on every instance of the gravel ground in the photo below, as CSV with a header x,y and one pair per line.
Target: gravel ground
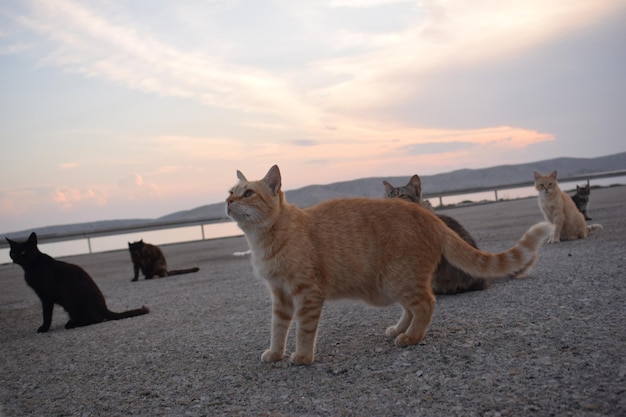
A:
x,y
552,343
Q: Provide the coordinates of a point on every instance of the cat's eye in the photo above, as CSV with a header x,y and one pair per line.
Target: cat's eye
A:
x,y
248,193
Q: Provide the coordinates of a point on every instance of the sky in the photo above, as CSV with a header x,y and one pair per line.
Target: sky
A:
x,y
136,109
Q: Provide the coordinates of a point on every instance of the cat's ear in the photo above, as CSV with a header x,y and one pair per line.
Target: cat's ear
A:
x,y
537,175
553,174
272,179
388,187
416,183
241,176
11,242
32,238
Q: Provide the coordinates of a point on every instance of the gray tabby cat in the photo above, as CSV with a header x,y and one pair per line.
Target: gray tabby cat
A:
x,y
581,199
448,279
410,192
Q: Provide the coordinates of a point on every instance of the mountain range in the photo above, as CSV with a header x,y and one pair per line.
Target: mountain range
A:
x,y
500,175
462,179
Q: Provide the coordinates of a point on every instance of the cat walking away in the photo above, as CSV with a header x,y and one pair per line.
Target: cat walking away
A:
x,y
382,251
65,284
149,259
559,209
448,279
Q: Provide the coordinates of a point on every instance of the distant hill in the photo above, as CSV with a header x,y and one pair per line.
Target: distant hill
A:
x,y
372,187
431,184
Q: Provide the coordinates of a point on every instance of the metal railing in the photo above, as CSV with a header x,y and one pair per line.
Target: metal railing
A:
x,y
119,230
159,225
495,189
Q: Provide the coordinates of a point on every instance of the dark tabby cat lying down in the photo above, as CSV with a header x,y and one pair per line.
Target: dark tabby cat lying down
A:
x,y
65,284
150,260
448,279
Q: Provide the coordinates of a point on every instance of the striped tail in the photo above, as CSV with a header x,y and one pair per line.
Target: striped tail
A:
x,y
513,262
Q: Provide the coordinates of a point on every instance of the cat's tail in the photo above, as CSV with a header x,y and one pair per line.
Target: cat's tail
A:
x,y
513,262
183,271
592,227
126,314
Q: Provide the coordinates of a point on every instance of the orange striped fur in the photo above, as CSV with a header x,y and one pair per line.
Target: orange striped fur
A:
x,y
559,209
382,251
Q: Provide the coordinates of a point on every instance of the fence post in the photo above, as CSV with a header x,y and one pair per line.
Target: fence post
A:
x,y
89,243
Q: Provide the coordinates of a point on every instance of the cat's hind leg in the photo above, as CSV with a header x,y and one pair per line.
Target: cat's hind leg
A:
x,y
421,309
402,324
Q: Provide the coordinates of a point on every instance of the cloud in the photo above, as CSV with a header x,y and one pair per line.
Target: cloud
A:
x,y
130,181
436,147
69,197
68,165
15,201
303,142
96,45
133,187
15,48
395,66
365,3
344,74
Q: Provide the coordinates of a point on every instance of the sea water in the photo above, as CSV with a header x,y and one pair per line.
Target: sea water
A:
x,y
228,229
120,241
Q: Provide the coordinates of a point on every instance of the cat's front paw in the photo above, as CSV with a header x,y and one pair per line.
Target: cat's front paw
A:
x,y
554,240
270,356
43,329
405,340
301,359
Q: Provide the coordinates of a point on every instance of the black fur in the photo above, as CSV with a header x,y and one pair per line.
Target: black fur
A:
x,y
65,284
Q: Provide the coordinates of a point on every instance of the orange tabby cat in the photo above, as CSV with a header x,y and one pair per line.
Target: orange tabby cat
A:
x,y
559,209
379,250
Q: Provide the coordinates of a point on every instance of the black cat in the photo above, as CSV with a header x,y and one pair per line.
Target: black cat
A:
x,y
68,285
